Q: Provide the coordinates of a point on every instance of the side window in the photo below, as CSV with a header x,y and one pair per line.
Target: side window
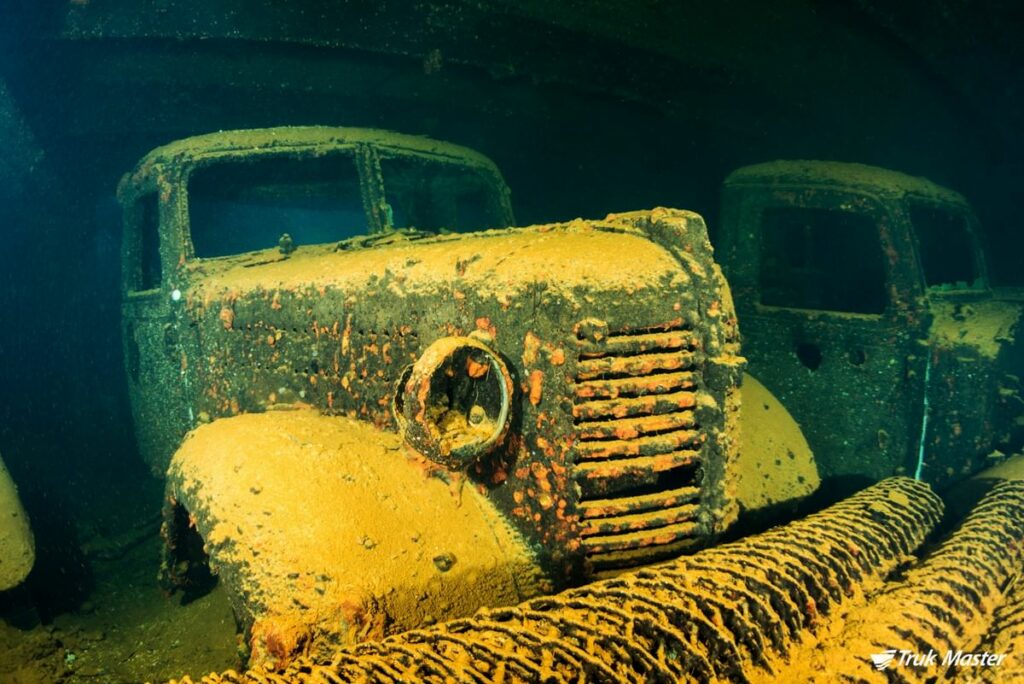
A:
x,y
438,197
247,205
821,259
945,247
147,216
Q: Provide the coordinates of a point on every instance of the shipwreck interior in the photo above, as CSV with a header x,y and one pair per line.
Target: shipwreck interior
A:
x,y
587,108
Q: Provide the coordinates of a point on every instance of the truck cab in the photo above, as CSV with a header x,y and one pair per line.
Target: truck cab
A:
x,y
867,309
377,406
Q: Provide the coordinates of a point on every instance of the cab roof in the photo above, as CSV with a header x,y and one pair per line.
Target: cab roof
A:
x,y
299,139
868,179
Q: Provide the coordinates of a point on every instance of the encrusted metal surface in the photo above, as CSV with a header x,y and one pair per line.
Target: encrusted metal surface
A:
x,y
729,613
1006,636
942,605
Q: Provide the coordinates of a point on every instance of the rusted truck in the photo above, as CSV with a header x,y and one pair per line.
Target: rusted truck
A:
x,y
866,308
377,405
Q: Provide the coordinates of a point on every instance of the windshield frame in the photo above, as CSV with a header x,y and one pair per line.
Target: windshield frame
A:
x,y
367,158
498,200
972,228
205,162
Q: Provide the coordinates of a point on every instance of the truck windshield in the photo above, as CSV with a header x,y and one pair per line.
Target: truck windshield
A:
x,y
246,205
821,259
436,197
945,247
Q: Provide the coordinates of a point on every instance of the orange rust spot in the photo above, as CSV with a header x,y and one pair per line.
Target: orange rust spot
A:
x,y
626,433
538,470
459,295
475,369
557,357
271,340
275,302
227,317
483,323
536,386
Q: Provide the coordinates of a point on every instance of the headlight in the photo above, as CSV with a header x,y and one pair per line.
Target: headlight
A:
x,y
454,402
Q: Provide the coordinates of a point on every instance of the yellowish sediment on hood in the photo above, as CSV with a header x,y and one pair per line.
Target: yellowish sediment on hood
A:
x,y
565,255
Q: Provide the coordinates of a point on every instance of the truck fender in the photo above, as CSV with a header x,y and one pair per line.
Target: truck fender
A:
x,y
775,466
17,547
326,531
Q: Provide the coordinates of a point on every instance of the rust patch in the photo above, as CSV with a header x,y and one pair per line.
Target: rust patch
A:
x,y
536,384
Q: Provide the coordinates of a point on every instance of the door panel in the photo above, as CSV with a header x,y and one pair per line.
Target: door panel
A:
x,y
823,292
153,354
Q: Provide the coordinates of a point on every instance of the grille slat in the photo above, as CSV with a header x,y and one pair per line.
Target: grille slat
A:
x,y
631,428
600,508
628,345
639,406
636,469
638,444
611,563
640,539
640,364
661,383
647,520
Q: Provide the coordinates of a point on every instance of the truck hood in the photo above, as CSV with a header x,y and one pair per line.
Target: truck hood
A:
x,y
501,263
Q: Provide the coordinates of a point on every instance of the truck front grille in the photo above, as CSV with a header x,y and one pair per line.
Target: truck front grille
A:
x,y
637,450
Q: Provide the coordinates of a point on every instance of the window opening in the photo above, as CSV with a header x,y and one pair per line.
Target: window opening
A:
x,y
945,247
438,198
148,216
247,205
825,259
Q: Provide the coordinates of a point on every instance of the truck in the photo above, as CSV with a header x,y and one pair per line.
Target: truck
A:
x,y
866,307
